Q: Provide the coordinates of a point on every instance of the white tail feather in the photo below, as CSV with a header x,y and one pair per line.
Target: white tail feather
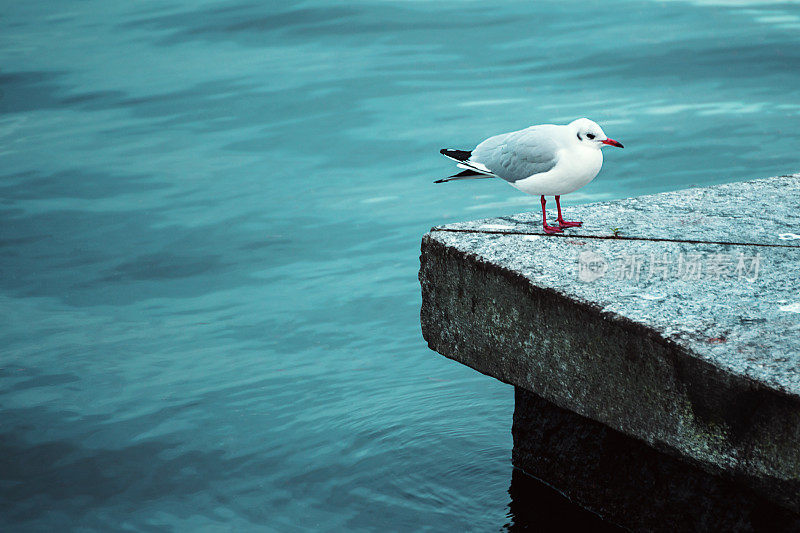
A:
x,y
477,167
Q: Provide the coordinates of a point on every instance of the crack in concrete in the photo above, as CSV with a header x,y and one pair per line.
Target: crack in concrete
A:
x,y
614,237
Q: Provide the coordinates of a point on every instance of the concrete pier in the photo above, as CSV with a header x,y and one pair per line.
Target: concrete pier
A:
x,y
666,331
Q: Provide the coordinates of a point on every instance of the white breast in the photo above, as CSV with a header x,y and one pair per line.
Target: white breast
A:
x,y
576,167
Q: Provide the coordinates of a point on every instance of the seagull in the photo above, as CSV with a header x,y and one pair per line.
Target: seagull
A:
x,y
540,160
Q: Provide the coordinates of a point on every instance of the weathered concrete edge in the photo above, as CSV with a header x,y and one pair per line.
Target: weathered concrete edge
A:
x,y
610,369
675,209
608,237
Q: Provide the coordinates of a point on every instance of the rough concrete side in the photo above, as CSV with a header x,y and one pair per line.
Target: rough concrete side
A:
x,y
610,370
628,482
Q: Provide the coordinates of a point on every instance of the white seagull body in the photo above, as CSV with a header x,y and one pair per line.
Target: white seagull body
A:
x,y
540,160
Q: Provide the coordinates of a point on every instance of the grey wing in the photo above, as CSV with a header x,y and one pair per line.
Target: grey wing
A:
x,y
518,155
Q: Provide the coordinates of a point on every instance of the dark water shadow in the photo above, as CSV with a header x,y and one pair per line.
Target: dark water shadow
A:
x,y
535,506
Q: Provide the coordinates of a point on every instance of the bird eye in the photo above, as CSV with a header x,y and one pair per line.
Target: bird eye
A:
x,y
590,135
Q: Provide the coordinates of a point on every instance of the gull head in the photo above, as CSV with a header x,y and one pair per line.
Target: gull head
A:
x,y
591,134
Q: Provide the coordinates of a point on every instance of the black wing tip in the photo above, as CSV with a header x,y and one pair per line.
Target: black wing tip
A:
x,y
441,181
459,155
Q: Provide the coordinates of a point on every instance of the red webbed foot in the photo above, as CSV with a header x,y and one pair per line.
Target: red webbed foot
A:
x,y
568,224
552,229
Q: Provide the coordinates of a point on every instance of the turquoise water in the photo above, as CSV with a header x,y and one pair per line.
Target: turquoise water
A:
x,y
210,226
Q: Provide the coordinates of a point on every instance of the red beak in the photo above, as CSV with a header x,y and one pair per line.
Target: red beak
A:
x,y
612,142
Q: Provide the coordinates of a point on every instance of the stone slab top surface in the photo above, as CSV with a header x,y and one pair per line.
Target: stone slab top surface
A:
x,y
764,211
712,269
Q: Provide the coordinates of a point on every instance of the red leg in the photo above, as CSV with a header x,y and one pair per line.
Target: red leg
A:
x,y
548,229
561,222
